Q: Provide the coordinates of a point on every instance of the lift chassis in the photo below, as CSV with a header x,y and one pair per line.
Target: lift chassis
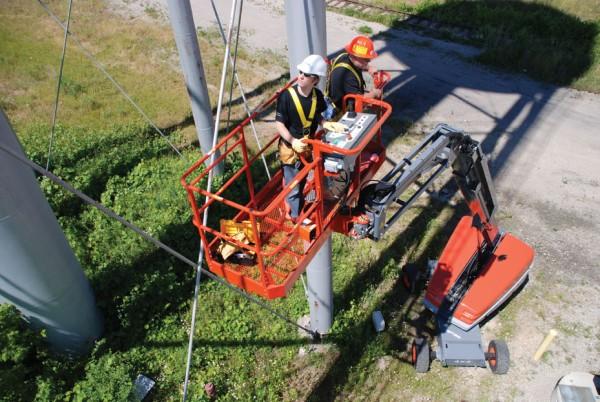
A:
x,y
480,267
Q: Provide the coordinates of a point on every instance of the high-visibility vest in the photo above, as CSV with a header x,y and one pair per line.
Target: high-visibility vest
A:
x,y
306,123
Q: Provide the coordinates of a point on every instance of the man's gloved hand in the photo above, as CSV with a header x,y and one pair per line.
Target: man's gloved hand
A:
x,y
299,146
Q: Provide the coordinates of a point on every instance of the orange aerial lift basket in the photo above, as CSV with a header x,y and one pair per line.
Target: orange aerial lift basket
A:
x,y
247,239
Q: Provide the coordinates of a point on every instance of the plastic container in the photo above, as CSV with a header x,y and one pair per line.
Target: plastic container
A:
x,y
378,321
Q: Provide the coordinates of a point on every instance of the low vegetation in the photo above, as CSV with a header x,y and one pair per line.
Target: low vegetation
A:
x,y
140,56
144,294
556,41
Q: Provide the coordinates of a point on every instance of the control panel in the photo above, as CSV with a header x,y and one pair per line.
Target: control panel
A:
x,y
352,129
349,131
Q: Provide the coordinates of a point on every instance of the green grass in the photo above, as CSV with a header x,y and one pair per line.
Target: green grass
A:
x,y
152,12
140,56
144,294
365,30
107,151
554,41
30,61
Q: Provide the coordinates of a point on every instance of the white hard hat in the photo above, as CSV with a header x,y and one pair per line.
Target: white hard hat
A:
x,y
313,64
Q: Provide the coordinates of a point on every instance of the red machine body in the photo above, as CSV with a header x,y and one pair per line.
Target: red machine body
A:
x,y
501,272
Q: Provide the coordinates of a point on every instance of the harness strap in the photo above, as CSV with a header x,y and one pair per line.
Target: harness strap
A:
x,y
332,66
306,123
347,66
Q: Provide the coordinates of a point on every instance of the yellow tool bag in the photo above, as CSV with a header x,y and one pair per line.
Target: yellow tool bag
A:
x,y
231,228
287,155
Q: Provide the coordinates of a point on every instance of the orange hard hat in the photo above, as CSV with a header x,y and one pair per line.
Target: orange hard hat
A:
x,y
362,47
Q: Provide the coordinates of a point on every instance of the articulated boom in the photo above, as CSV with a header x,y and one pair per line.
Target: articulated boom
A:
x,y
443,148
480,266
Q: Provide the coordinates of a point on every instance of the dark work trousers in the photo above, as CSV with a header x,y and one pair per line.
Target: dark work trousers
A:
x,y
295,199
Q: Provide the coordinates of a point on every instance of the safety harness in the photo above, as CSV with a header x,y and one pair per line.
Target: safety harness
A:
x,y
306,123
337,64
347,66
286,154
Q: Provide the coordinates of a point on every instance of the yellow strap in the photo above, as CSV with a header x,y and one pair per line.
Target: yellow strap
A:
x,y
329,76
313,107
339,57
349,67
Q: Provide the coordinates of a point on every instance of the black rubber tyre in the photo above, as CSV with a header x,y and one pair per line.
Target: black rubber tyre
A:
x,y
499,359
410,276
421,355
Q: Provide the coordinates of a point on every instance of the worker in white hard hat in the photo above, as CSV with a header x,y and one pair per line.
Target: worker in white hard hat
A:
x,y
299,113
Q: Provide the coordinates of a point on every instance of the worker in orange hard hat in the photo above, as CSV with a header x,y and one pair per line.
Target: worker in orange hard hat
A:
x,y
346,77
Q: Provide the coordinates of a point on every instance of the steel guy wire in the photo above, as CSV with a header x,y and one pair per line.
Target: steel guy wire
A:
x,y
99,66
111,214
208,188
234,66
60,72
242,92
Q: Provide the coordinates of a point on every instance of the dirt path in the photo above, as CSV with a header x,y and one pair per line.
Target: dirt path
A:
x,y
544,144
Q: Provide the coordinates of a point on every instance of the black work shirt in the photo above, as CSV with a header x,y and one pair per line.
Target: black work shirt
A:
x,y
288,115
342,81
